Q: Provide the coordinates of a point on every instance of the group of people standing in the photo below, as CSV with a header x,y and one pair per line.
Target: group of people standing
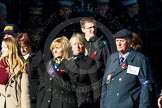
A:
x,y
19,77
14,90
72,78
82,72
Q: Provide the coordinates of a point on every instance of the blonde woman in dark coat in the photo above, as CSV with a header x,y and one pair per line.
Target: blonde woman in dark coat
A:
x,y
15,93
88,90
58,77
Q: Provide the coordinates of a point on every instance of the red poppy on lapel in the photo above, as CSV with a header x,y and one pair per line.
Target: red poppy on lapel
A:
x,y
94,54
123,65
62,71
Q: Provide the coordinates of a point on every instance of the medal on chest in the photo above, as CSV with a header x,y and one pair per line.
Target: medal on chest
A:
x,y
108,80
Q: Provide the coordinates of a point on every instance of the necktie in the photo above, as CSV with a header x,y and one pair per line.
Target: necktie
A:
x,y
121,59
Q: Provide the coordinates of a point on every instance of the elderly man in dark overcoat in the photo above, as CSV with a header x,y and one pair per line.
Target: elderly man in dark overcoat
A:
x,y
127,79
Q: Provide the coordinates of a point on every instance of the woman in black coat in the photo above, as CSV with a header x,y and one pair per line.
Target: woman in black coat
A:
x,y
58,78
87,86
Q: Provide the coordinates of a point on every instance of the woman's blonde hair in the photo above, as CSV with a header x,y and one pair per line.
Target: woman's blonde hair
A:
x,y
14,59
64,44
79,39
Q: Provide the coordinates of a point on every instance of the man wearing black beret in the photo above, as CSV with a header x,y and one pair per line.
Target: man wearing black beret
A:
x,y
126,82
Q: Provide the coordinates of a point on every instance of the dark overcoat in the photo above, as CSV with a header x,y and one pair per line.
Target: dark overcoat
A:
x,y
34,60
88,88
100,51
126,85
58,91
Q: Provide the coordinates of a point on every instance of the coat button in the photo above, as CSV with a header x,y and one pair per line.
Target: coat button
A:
x,y
49,101
50,79
117,94
8,95
120,79
12,81
62,91
49,89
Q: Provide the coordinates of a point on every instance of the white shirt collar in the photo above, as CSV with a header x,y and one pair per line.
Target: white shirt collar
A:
x,y
26,56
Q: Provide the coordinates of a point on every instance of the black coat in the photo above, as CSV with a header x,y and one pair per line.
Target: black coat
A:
x,y
34,60
87,86
100,51
58,91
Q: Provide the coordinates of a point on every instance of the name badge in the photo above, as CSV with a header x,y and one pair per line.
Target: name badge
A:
x,y
133,70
